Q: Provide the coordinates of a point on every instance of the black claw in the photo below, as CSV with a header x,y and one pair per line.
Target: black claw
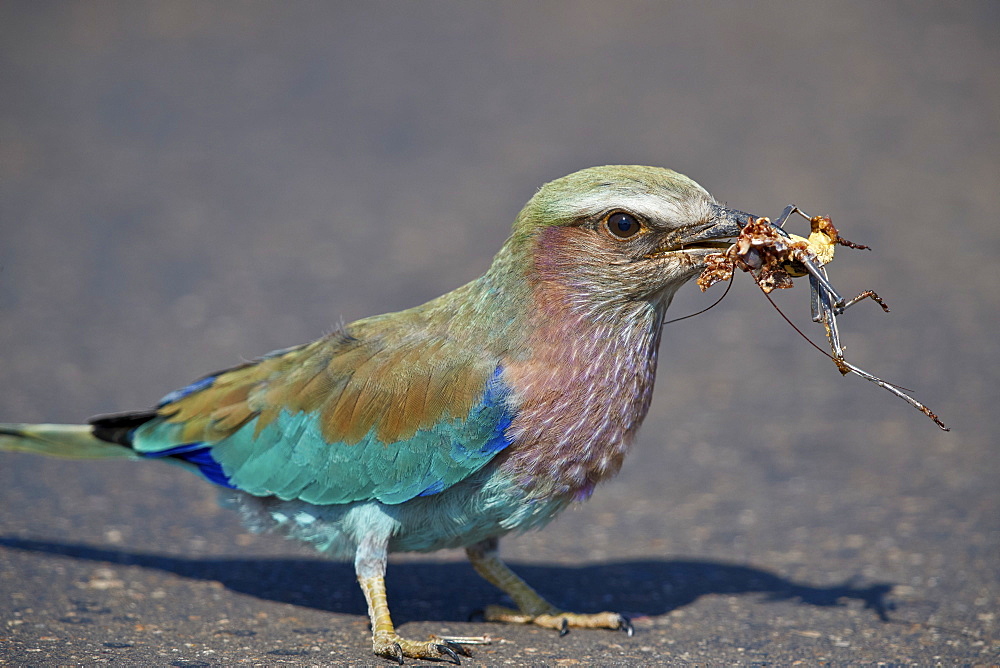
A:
x,y
626,625
477,615
398,653
447,650
564,629
460,648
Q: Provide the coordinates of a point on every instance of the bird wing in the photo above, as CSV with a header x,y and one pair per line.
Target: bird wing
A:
x,y
338,420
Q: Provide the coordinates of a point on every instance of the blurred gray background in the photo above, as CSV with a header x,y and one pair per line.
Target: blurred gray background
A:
x,y
184,185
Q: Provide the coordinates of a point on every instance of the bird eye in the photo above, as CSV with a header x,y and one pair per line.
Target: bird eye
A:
x,y
622,225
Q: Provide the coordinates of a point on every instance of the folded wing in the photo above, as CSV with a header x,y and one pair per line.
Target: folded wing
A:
x,y
335,421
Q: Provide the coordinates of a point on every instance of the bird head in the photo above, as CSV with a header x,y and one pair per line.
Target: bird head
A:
x,y
617,235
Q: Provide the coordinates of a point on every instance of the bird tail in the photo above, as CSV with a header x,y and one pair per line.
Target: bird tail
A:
x,y
75,441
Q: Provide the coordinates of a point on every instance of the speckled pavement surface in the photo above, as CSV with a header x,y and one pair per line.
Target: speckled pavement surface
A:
x,y
184,184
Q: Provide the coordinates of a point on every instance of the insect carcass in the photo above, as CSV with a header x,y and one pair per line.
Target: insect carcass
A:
x,y
773,257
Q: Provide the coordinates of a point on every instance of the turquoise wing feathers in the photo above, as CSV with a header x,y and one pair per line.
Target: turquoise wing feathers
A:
x,y
337,421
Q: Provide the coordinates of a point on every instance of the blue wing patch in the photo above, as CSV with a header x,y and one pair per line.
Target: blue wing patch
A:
x,y
200,455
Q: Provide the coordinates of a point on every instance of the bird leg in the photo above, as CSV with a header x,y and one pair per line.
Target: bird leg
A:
x,y
369,564
532,608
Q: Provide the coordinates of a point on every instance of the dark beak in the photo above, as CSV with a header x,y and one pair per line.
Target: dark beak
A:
x,y
724,224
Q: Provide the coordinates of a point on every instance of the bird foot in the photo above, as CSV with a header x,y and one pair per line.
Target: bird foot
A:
x,y
395,647
561,621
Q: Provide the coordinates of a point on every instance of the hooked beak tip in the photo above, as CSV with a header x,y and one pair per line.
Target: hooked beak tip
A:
x,y
725,218
725,223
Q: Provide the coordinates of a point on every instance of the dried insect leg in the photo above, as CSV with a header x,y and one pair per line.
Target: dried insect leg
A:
x,y
825,311
796,256
895,389
868,294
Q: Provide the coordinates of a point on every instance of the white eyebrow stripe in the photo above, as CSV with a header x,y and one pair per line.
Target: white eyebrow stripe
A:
x,y
647,205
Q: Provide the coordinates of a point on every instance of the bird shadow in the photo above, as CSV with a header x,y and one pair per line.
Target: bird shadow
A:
x,y
425,590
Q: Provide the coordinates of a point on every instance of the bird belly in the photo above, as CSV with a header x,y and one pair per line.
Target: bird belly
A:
x,y
484,505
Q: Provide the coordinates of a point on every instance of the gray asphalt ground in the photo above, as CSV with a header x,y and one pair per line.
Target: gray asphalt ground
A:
x,y
184,185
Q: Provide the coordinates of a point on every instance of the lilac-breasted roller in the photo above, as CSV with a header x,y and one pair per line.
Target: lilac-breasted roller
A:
x,y
482,412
